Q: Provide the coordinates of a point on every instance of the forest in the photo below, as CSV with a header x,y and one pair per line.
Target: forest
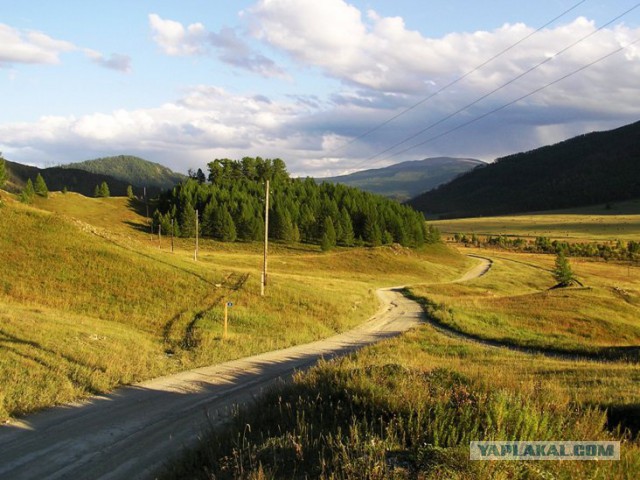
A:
x,y
229,205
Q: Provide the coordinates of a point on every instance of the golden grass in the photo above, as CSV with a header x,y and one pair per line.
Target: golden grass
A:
x,y
513,303
586,224
90,262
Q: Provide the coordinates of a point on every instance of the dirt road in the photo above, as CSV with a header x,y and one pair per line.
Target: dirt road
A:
x,y
130,433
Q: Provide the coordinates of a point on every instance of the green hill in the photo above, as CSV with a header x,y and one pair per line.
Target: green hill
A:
x,y
598,167
132,170
57,178
405,180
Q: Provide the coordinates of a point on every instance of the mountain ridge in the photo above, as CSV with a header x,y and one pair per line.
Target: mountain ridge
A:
x,y
405,180
593,168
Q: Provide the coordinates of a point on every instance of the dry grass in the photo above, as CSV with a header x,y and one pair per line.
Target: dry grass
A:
x,y
583,224
89,264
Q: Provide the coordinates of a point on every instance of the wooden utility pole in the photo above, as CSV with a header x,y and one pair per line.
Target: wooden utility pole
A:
x,y
172,229
226,319
266,239
146,204
195,254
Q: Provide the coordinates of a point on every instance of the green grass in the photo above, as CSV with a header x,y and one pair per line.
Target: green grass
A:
x,y
597,223
89,301
513,304
408,407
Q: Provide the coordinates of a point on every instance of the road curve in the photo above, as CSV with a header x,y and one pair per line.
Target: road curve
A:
x,y
128,434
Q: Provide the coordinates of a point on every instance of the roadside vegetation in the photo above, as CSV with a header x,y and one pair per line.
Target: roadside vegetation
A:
x,y
90,300
504,357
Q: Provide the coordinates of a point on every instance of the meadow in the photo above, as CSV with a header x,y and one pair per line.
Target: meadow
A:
x,y
620,221
89,300
502,357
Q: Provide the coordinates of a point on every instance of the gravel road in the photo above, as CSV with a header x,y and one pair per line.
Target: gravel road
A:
x,y
131,432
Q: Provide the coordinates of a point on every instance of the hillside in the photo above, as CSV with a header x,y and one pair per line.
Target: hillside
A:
x,y
598,167
132,170
405,180
57,178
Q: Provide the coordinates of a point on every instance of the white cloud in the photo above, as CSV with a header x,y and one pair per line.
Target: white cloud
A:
x,y
30,47
383,67
177,40
117,61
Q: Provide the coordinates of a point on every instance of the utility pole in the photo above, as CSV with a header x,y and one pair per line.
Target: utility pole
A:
x,y
172,229
195,254
266,239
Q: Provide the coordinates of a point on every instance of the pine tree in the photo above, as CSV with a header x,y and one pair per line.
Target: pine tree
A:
x,y
227,229
102,191
562,271
188,221
130,192
40,187
3,171
348,236
27,192
328,235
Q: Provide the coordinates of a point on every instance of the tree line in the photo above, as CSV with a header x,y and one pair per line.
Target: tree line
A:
x,y
229,203
616,250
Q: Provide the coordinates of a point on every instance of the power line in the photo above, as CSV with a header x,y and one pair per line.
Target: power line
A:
x,y
537,90
457,80
516,78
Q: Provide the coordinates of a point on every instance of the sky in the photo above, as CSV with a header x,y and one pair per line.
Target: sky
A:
x,y
329,86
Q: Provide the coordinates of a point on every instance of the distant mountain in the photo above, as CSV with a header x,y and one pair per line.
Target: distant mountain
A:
x,y
405,180
132,170
58,178
598,167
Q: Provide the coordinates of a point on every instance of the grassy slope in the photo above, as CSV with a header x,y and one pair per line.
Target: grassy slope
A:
x,y
407,408
89,301
596,223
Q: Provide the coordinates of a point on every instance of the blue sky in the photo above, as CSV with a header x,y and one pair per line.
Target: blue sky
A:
x,y
182,83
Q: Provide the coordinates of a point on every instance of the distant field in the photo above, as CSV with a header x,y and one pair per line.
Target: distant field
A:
x,y
621,221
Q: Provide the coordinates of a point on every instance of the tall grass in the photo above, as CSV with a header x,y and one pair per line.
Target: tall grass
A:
x,y
408,407
88,301
360,419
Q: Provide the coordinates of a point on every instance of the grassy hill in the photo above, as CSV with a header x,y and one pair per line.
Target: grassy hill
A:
x,y
132,170
57,178
407,179
89,300
589,169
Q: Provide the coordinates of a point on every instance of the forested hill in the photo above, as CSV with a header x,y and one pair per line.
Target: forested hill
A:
x,y
58,178
230,206
599,167
405,180
132,170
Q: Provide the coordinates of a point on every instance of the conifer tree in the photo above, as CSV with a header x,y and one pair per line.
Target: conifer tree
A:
x,y
27,194
188,221
3,171
562,271
328,235
40,187
225,228
130,192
